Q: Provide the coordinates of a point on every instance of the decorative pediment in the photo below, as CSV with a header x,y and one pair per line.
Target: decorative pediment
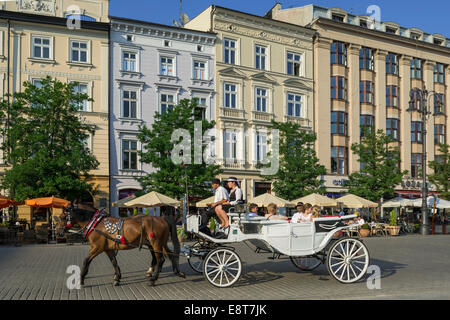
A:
x,y
264,77
293,83
233,73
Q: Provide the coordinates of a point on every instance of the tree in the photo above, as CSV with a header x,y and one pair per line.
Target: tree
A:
x,y
441,176
380,166
299,168
167,177
44,142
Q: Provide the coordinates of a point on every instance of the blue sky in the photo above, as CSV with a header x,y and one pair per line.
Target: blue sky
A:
x,y
432,16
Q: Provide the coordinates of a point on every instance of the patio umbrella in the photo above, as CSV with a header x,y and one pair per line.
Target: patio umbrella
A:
x,y
317,200
397,202
267,198
49,202
202,203
153,199
5,202
121,203
353,201
440,203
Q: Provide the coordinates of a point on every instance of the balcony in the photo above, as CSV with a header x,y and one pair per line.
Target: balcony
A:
x,y
233,164
262,116
303,122
231,113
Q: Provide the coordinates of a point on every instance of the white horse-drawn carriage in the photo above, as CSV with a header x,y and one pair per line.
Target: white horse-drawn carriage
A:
x,y
307,244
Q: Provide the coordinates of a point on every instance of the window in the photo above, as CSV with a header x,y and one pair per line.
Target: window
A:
x,y
167,66
37,83
392,64
294,105
79,51
294,61
366,122
260,57
230,96
366,59
366,92
363,23
338,53
416,69
338,88
440,159
416,100
261,100
339,122
166,102
129,154
82,88
229,51
41,47
439,134
337,17
439,74
392,96
167,43
199,48
439,103
129,103
130,38
261,147
416,164
392,128
88,141
416,131
339,160
415,36
199,70
230,145
200,109
391,30
129,62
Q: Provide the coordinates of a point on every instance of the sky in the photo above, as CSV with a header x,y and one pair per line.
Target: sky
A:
x,y
432,16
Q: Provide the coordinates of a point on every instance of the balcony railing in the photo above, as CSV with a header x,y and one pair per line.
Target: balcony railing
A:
x,y
231,113
303,122
262,116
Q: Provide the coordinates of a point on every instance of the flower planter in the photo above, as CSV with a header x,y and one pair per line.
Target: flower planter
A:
x,y
364,233
394,230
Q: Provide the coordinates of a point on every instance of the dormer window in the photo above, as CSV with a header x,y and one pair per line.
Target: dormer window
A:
x,y
167,43
363,23
391,30
129,38
415,36
438,41
337,17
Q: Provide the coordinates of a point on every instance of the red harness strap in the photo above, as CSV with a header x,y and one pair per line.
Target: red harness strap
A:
x,y
94,222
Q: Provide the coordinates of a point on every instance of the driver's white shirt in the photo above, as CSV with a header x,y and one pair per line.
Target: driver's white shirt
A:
x,y
221,194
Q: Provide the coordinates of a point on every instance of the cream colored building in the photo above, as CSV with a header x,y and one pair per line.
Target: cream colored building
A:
x,y
364,72
36,40
263,72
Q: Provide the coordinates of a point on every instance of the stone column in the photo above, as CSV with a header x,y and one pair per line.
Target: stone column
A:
x,y
447,103
322,100
428,75
405,116
380,90
354,107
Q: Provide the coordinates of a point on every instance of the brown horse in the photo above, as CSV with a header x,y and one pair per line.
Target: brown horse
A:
x,y
152,232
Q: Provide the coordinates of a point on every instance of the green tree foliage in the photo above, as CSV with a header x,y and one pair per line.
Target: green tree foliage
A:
x,y
167,177
441,176
45,142
299,169
380,166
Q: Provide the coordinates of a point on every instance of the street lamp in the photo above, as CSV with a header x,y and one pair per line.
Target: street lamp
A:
x,y
421,96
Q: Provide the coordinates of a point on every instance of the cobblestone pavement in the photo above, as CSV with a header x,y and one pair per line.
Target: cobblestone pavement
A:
x,y
412,267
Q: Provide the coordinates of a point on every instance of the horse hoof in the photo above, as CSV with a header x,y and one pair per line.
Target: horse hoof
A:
x,y
152,283
148,275
181,275
116,283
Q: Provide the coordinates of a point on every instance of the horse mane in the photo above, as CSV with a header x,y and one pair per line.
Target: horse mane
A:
x,y
84,212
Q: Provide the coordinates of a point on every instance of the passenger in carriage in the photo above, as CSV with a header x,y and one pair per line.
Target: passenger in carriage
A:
x,y
271,213
235,195
253,208
316,212
304,216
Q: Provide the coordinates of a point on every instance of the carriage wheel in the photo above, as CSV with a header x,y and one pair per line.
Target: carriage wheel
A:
x,y
198,253
222,267
306,263
348,260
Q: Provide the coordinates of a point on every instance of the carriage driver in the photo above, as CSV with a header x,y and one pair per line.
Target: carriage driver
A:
x,y
220,197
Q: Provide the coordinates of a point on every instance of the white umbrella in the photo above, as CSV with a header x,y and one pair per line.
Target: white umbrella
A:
x,y
353,201
397,203
153,199
317,200
440,203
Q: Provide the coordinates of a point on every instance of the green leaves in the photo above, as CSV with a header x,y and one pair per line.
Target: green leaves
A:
x,y
45,142
380,166
167,177
441,176
299,168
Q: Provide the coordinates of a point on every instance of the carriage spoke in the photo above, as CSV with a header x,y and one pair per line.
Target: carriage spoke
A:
x,y
233,275
336,271
342,273
339,263
356,261
354,253
211,272
231,256
216,276
348,272
225,274
353,270
233,269
221,277
353,247
359,257
235,261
